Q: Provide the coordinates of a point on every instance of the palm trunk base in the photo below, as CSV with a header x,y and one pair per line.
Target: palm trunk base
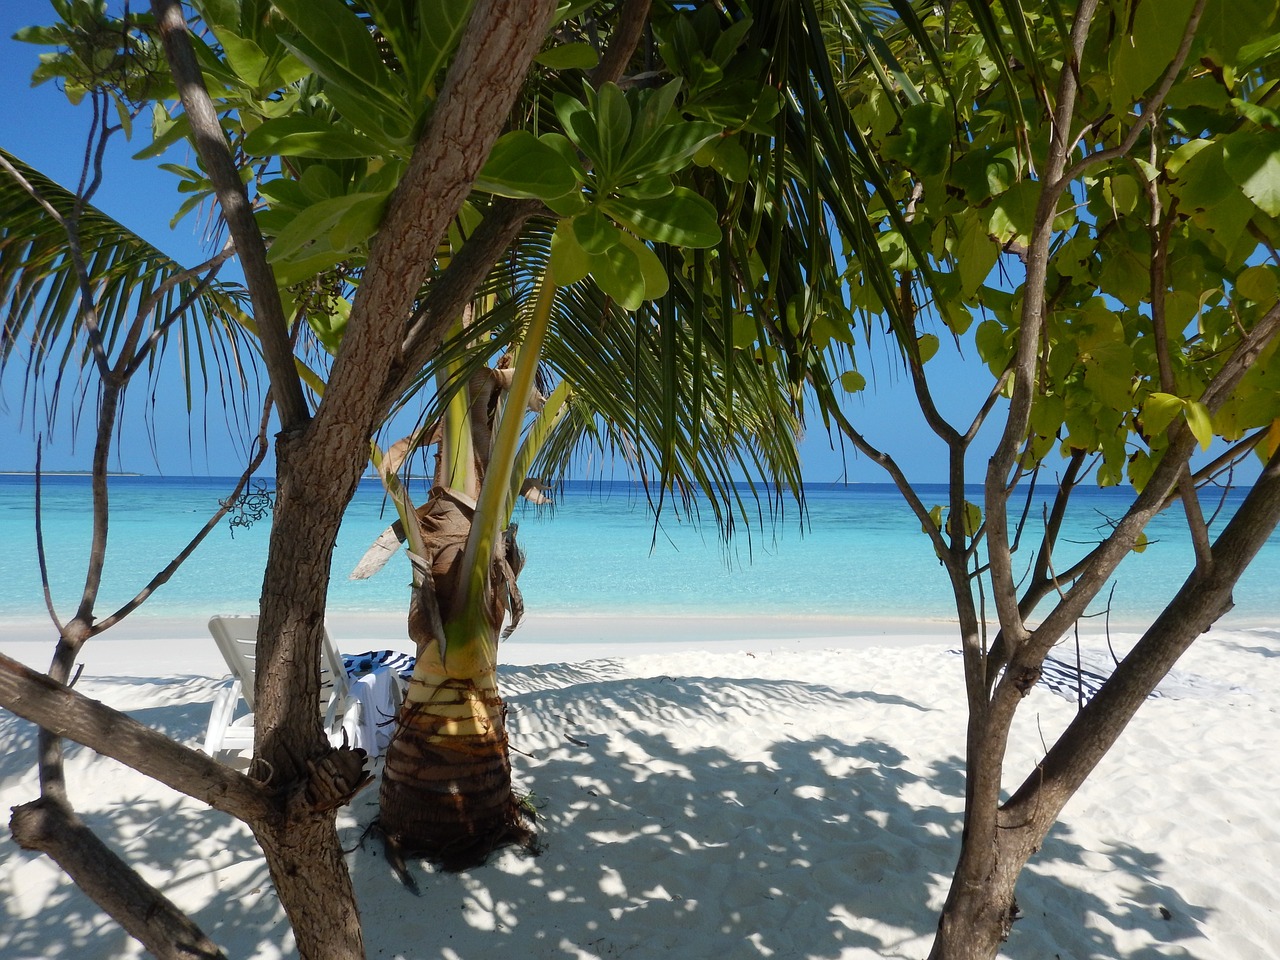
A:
x,y
446,789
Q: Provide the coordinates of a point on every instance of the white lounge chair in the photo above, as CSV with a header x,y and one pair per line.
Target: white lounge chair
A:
x,y
237,638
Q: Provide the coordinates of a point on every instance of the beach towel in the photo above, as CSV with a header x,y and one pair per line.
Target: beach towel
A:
x,y
378,679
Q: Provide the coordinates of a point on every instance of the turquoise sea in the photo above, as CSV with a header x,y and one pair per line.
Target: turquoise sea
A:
x,y
855,551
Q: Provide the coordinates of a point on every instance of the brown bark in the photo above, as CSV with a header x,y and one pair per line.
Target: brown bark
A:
x,y
50,827
64,713
211,144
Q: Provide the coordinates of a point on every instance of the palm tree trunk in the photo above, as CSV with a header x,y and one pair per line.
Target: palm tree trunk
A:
x,y
446,788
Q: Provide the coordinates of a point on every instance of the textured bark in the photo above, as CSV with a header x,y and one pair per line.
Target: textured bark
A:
x,y
50,827
446,787
64,713
233,199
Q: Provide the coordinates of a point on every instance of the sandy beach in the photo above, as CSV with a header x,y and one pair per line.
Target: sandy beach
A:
x,y
720,787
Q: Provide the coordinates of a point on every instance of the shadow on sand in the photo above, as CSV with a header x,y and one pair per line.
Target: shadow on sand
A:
x,y
667,831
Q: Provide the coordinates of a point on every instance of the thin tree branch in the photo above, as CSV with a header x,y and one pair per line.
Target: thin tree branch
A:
x,y
1201,601
160,579
1150,108
215,153
1023,365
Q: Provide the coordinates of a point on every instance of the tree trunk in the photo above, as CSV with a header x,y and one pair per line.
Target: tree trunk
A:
x,y
316,478
446,787
977,917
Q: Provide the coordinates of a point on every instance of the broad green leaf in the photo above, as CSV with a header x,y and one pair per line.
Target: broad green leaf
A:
x,y
337,46
524,167
656,281
569,56
617,272
1140,469
992,343
1197,415
681,218
853,381
1258,284
303,136
595,233
569,261
1252,160
975,253
671,149
927,344
1159,411
309,231
613,127
1013,213
245,58
1142,53
578,124
1140,543
321,182
923,141
730,160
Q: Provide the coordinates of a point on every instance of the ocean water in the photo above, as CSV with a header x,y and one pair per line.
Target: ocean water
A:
x,y
855,551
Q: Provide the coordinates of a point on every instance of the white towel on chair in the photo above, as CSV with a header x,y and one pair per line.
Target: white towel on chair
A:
x,y
370,717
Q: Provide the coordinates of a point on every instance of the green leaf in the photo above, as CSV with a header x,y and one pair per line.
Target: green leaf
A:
x,y
595,233
923,141
927,344
1252,160
1258,284
656,281
681,218
1198,420
613,127
569,261
975,254
522,166
1142,53
1013,213
303,136
618,273
569,56
853,381
578,124
309,232
1158,412
669,150
337,46
245,58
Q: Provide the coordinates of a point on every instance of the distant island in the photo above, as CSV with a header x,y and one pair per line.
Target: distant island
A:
x,y
61,473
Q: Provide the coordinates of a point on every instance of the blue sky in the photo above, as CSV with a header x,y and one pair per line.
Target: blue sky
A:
x,y
159,435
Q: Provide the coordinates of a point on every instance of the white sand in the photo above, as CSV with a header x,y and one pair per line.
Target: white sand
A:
x,y
794,795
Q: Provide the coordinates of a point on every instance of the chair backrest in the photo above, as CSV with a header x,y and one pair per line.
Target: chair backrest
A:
x,y
237,638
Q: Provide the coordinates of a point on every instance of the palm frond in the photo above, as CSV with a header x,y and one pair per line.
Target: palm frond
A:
x,y
142,301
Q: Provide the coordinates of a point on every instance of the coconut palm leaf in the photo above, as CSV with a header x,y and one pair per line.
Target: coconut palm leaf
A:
x,y
140,299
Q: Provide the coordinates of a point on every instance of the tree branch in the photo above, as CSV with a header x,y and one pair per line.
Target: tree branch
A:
x,y
1201,601
215,153
161,578
57,708
51,828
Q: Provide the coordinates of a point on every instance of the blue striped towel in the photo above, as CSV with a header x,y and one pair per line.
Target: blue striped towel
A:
x,y
358,664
